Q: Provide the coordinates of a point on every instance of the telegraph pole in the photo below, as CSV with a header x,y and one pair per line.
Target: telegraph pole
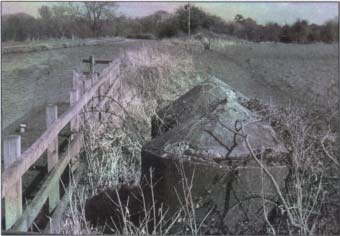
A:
x,y
189,19
187,7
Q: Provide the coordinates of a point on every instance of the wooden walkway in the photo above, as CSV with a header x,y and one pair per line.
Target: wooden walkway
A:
x,y
45,151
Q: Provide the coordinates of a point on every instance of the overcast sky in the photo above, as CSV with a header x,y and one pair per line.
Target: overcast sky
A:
x,y
280,12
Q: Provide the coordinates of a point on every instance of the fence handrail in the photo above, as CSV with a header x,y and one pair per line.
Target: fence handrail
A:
x,y
15,171
33,209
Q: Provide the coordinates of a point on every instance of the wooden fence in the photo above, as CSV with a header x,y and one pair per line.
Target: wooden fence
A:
x,y
93,92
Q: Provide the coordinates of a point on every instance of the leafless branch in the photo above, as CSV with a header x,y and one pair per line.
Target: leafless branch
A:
x,y
326,151
277,188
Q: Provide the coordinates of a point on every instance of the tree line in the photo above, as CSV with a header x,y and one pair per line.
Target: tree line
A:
x,y
98,19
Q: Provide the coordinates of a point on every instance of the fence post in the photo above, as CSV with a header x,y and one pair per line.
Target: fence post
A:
x,y
93,80
92,65
74,97
52,155
94,100
99,100
110,80
92,74
78,82
75,80
13,198
75,122
88,107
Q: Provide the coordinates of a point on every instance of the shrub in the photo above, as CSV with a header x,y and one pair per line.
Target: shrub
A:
x,y
313,173
167,29
140,36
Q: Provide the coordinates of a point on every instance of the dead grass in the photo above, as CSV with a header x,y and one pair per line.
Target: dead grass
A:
x,y
308,188
153,75
153,217
159,72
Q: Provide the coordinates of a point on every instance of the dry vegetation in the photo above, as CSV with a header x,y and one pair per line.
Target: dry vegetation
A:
x,y
157,74
307,205
310,196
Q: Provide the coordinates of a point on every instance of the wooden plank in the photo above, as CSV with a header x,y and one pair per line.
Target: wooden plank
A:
x,y
87,107
77,90
86,85
103,62
54,226
74,97
92,64
89,73
33,209
52,149
75,122
97,61
77,80
12,174
13,199
52,154
12,149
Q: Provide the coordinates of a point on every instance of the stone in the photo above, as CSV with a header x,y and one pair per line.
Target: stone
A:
x,y
230,195
207,121
203,134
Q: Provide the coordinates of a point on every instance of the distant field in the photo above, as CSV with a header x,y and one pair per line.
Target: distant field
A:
x,y
281,73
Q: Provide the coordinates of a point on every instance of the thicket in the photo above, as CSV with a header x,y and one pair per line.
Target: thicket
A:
x,y
91,19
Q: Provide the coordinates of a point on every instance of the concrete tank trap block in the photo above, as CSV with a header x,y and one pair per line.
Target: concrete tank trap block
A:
x,y
201,135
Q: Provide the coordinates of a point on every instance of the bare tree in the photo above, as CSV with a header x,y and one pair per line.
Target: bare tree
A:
x,y
94,13
62,20
46,21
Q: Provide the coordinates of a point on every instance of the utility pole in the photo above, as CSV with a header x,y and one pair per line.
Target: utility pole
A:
x,y
189,19
187,8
